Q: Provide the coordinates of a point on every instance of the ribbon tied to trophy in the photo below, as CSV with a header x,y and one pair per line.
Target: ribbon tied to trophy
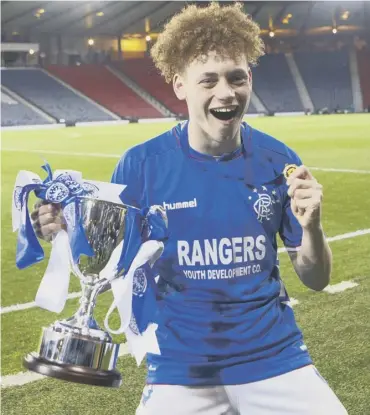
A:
x,y
105,243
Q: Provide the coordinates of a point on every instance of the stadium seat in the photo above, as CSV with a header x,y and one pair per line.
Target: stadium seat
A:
x,y
51,96
99,84
327,78
15,113
144,73
274,84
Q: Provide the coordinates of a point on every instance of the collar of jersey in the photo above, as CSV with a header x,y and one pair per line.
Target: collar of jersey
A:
x,y
258,170
181,133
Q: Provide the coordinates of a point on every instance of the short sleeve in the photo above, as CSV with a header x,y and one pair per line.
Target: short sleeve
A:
x,y
290,230
127,172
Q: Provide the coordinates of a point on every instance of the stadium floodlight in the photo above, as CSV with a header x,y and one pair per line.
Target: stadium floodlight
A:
x,y
272,33
100,14
31,51
91,42
335,30
148,38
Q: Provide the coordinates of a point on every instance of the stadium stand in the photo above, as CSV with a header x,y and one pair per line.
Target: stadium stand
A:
x,y
51,96
327,78
274,85
144,73
251,109
363,57
14,112
99,84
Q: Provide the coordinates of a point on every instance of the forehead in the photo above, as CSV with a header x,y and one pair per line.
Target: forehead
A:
x,y
215,63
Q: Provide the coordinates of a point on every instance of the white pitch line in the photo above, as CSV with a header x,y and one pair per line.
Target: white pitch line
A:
x,y
19,307
102,155
62,153
22,378
340,170
340,287
32,304
348,235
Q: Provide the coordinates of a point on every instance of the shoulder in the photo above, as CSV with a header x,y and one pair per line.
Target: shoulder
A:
x,y
153,147
272,148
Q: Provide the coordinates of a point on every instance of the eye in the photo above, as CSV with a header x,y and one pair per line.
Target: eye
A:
x,y
208,82
239,80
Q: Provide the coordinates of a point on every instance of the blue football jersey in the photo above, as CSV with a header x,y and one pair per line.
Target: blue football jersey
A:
x,y
224,316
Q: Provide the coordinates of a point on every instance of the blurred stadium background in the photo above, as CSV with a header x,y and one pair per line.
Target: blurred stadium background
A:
x,y
86,66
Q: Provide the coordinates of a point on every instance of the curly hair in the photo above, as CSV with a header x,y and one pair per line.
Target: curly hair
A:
x,y
195,31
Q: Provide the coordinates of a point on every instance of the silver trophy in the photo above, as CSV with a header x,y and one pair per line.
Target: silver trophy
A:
x,y
77,349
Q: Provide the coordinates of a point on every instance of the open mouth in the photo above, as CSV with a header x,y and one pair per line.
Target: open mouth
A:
x,y
224,114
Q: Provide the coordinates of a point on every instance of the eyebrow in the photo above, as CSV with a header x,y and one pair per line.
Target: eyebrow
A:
x,y
233,72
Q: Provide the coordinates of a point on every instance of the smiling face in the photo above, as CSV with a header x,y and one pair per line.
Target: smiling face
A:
x,y
217,92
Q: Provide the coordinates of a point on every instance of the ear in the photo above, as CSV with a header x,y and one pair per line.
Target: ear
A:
x,y
179,87
250,78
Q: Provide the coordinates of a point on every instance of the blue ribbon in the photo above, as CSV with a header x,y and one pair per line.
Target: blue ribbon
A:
x,y
63,190
141,226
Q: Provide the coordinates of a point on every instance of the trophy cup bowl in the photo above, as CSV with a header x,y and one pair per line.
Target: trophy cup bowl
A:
x,y
77,349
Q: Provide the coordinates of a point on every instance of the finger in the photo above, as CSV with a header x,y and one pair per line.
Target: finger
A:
x,y
39,203
303,193
307,203
50,229
301,184
301,172
49,208
293,206
35,214
49,218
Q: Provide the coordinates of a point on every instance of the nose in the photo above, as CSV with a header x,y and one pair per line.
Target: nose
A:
x,y
224,90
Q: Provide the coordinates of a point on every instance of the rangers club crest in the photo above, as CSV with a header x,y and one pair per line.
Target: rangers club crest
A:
x,y
73,186
264,205
139,283
57,192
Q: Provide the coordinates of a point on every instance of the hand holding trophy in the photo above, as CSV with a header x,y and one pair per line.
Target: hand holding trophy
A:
x,y
106,244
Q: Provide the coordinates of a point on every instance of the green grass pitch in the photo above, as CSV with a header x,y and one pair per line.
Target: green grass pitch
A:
x,y
336,326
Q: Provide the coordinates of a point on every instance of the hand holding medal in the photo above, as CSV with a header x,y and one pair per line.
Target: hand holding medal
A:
x,y
306,195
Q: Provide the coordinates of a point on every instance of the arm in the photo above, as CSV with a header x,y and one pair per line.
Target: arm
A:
x,y
47,218
313,261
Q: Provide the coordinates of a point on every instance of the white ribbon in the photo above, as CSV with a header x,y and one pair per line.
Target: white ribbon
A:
x,y
53,290
122,288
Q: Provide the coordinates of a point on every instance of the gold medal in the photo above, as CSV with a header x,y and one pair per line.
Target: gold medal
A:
x,y
289,169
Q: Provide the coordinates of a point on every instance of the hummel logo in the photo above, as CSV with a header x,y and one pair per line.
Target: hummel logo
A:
x,y
180,205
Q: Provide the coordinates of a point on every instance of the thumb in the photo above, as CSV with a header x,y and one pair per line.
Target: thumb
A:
x,y
293,206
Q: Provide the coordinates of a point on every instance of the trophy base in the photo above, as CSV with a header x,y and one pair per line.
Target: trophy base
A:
x,y
72,373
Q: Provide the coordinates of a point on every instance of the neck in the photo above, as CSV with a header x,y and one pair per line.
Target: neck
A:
x,y
203,143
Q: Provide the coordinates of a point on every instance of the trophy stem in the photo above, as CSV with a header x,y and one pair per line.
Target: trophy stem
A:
x,y
84,319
